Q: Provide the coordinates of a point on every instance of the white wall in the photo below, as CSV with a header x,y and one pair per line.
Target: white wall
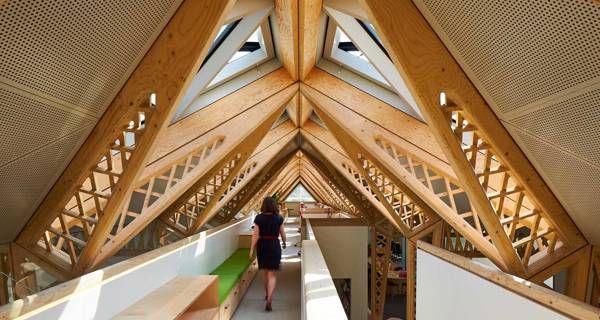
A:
x,y
445,291
99,298
345,251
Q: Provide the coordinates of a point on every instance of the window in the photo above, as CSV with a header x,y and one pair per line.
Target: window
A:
x,y
239,51
354,53
300,194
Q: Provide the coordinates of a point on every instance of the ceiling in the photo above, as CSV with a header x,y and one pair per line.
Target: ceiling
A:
x,y
537,64
61,64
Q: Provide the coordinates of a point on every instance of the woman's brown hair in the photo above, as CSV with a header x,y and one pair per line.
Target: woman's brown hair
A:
x,y
269,205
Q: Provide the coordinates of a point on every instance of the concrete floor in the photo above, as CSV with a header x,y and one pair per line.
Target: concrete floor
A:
x,y
286,298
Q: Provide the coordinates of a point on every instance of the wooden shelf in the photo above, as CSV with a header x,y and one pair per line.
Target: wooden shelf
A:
x,y
180,298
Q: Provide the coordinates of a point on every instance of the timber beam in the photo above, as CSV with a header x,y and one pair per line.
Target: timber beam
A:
x,y
477,145
126,132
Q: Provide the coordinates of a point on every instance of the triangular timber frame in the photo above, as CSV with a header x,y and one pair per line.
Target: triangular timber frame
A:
x,y
459,181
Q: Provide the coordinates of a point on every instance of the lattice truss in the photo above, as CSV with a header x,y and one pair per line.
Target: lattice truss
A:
x,y
232,207
527,226
155,186
347,204
444,187
67,236
337,199
381,243
408,214
186,211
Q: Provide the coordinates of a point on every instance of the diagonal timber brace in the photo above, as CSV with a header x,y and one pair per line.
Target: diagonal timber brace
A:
x,y
117,149
364,146
501,183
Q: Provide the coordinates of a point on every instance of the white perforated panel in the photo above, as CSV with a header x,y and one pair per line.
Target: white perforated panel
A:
x,y
537,64
80,52
26,181
572,124
576,182
27,124
521,51
61,64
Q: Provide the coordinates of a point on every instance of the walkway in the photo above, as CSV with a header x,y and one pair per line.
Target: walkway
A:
x,y
286,299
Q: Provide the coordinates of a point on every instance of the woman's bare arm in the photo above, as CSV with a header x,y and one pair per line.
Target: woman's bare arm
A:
x,y
282,233
255,234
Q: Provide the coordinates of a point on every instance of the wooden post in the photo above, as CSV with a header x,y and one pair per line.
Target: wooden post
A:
x,y
381,242
411,280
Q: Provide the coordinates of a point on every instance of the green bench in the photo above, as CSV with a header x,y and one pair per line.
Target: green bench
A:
x,y
235,275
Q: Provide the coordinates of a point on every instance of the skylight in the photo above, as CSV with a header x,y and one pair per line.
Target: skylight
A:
x,y
346,45
341,49
353,51
251,45
238,47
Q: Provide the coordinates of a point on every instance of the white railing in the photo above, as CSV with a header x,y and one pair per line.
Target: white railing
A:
x,y
104,293
320,299
463,289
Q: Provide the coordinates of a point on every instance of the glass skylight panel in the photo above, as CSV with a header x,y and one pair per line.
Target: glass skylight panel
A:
x,y
251,45
346,45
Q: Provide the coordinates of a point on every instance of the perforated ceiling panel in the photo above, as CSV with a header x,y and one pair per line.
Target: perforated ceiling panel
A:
x,y
61,64
537,64
27,180
79,52
576,182
28,123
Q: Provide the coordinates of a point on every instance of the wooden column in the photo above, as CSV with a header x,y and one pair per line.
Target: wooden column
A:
x,y
411,280
381,243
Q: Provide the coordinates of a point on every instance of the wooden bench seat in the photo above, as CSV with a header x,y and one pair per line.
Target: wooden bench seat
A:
x,y
235,275
183,297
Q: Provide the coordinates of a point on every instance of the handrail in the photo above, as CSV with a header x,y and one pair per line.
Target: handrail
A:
x,y
320,299
552,300
60,293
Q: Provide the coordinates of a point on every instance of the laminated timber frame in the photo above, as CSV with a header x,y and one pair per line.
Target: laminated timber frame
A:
x,y
120,144
391,170
266,156
477,145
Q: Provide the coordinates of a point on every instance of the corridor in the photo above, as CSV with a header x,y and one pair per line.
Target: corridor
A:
x,y
286,300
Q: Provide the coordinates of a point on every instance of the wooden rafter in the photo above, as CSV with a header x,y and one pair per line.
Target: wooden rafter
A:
x,y
177,137
240,190
341,200
316,186
127,131
255,164
361,208
577,270
204,157
367,154
286,23
199,203
474,139
344,166
309,12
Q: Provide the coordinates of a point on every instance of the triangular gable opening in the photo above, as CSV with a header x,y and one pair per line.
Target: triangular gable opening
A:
x,y
300,194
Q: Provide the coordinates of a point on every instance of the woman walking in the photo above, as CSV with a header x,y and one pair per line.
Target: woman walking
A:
x,y
268,225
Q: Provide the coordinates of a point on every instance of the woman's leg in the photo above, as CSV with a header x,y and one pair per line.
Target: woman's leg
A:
x,y
266,282
271,285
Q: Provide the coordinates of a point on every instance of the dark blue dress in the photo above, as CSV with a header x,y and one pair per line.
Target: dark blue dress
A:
x,y
268,248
